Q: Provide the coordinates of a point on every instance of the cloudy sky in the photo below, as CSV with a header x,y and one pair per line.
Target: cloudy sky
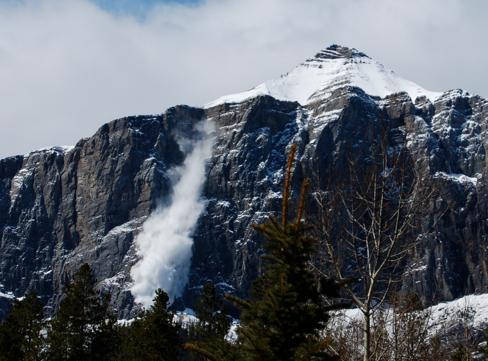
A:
x,y
68,66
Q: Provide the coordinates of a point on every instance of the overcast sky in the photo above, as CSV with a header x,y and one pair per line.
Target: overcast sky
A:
x,y
69,66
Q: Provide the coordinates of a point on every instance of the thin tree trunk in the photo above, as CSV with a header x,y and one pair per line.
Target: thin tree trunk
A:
x,y
367,335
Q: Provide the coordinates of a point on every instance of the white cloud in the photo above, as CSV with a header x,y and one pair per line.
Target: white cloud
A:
x,y
67,67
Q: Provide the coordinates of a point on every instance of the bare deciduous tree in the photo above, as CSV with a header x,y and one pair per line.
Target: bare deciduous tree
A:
x,y
400,332
369,219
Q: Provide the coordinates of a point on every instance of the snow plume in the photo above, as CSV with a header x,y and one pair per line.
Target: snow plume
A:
x,y
165,244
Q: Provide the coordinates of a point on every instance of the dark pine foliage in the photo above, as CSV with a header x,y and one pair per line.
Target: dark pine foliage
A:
x,y
212,314
20,333
460,354
84,328
154,334
213,324
283,319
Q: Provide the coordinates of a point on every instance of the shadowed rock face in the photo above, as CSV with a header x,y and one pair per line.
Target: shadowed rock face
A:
x,y
59,208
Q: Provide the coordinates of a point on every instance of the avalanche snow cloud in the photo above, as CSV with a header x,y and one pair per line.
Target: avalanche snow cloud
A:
x,y
165,244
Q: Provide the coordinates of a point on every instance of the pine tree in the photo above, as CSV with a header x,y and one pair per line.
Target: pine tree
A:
x,y
213,323
484,349
211,313
20,333
83,328
283,319
461,354
153,335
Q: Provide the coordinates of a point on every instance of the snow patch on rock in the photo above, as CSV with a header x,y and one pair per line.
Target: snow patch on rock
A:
x,y
460,178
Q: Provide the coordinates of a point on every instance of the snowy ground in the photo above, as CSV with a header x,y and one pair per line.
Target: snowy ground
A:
x,y
441,317
471,309
476,307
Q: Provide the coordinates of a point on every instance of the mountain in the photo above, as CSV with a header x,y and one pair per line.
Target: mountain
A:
x,y
330,69
61,207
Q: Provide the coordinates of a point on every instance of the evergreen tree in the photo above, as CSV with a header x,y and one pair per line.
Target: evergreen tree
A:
x,y
154,334
461,354
484,349
213,323
20,333
283,319
83,328
212,313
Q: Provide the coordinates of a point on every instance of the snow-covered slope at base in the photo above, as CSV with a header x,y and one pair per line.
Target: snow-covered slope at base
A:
x,y
328,70
474,306
442,316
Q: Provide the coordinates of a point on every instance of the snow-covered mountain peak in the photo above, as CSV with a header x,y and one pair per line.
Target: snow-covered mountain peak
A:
x,y
335,52
328,70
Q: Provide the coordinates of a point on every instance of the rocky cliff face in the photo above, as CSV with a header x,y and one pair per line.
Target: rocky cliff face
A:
x,y
60,207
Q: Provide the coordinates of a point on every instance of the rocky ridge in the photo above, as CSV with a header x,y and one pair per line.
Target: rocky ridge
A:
x,y
61,207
